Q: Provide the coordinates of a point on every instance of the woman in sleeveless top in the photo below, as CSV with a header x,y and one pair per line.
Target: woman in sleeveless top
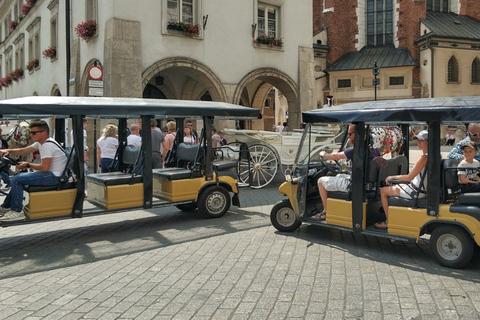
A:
x,y
188,137
417,178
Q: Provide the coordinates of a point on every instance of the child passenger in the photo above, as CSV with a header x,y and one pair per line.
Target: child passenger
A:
x,y
468,176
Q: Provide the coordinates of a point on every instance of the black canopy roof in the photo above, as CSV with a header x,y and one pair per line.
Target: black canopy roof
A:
x,y
108,107
458,109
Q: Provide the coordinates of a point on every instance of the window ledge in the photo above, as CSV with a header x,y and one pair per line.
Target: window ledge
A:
x,y
181,34
266,46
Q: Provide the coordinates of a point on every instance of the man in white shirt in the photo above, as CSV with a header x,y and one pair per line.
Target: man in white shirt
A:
x,y
46,173
134,138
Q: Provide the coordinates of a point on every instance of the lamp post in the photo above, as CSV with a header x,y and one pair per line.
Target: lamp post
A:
x,y
376,81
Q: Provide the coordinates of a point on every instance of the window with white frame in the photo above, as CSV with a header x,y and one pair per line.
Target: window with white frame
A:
x,y
91,10
20,51
54,23
182,11
268,20
8,60
34,40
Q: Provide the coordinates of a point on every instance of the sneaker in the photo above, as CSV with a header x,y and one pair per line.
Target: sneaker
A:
x,y
3,210
13,216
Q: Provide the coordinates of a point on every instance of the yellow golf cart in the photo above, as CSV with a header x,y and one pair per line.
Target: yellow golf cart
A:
x,y
194,181
451,219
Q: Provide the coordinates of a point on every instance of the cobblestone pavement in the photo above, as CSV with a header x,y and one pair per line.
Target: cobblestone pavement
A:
x,y
166,264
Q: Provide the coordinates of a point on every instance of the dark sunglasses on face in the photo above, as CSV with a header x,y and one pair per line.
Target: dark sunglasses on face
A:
x,y
474,134
35,132
350,133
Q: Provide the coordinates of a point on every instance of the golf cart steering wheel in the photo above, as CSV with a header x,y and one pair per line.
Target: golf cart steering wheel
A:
x,y
7,159
333,168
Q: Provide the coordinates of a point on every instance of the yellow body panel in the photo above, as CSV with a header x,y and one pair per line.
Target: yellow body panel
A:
x,y
408,222
185,189
290,190
115,197
340,213
48,204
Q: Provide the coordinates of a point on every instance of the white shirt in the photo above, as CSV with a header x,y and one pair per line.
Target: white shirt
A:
x,y
134,140
469,169
108,147
51,150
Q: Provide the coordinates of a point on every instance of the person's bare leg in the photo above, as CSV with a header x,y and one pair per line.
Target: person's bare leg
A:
x,y
385,193
323,194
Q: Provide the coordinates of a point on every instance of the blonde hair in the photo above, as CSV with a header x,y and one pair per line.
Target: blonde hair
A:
x,y
171,126
110,130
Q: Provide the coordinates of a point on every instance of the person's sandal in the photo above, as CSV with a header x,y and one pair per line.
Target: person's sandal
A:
x,y
320,216
381,225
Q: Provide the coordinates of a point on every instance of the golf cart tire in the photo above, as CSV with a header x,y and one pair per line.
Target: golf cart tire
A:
x,y
451,246
187,207
283,217
214,202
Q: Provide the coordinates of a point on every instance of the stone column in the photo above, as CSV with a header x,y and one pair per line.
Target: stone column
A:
x,y
123,59
306,84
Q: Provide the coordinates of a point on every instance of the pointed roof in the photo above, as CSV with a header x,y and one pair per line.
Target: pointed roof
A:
x,y
450,25
386,57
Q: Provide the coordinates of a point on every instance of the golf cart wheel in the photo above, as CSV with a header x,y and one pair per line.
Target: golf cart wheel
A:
x,y
263,166
283,217
214,202
187,207
451,246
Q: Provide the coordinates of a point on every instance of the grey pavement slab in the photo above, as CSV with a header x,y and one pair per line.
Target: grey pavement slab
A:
x,y
167,264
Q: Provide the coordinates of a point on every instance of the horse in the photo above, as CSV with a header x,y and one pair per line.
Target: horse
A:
x,y
388,140
18,137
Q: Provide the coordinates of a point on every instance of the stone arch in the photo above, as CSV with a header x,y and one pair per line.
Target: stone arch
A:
x,y
475,70
253,89
84,81
55,91
198,79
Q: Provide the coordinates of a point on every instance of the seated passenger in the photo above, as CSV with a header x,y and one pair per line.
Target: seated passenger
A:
x,y
340,182
46,173
415,176
468,176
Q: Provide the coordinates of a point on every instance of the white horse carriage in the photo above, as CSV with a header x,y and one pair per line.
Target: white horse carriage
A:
x,y
272,150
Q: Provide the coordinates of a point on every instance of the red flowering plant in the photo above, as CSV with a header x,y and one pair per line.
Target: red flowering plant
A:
x,y
12,25
269,41
17,74
28,6
86,30
191,30
32,64
7,80
50,53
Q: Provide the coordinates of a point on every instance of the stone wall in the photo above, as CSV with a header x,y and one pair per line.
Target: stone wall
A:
x,y
123,59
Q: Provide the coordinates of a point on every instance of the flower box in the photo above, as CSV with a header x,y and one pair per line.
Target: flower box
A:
x,y
12,25
17,74
28,6
32,64
86,30
269,41
50,53
190,30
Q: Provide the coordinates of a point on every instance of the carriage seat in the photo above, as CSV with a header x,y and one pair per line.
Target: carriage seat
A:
x,y
130,157
186,154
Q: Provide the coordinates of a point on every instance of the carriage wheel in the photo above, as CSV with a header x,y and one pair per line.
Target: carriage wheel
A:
x,y
263,166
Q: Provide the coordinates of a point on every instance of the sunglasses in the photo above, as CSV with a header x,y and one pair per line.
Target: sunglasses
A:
x,y
474,134
35,132
350,133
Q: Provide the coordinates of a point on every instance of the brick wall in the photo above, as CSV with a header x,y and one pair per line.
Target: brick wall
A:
x,y
470,8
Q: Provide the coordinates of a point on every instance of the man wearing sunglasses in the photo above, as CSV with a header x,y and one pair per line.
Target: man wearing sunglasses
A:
x,y
473,135
46,173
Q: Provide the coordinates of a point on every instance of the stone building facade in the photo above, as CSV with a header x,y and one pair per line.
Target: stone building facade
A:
x,y
175,49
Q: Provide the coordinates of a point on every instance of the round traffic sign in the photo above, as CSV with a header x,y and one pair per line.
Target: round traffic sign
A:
x,y
95,73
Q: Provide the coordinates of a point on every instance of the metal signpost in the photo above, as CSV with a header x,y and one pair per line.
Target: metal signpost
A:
x,y
376,72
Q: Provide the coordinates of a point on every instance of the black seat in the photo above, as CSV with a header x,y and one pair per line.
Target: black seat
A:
x,y
451,186
378,170
404,202
186,157
131,156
